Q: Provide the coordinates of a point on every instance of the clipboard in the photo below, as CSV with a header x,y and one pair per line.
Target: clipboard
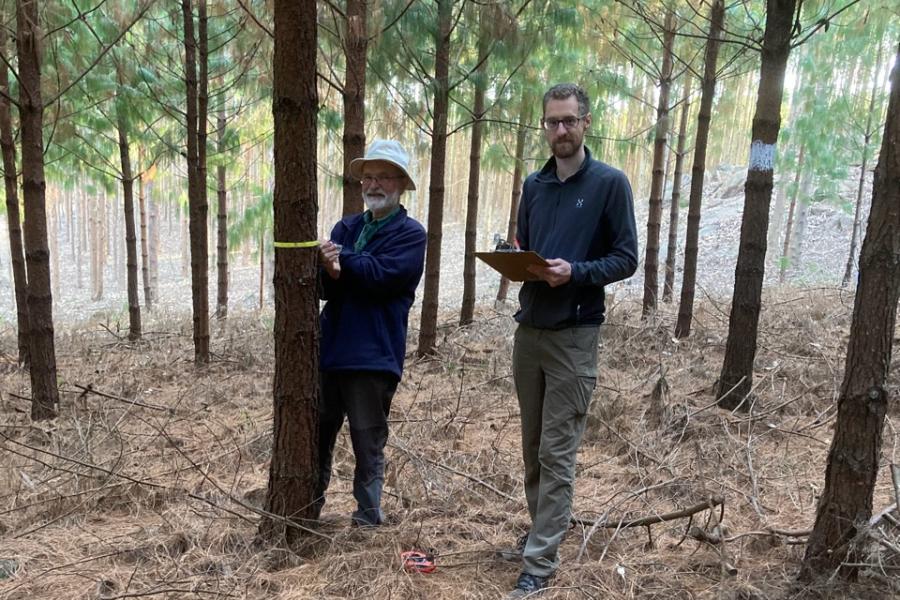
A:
x,y
513,264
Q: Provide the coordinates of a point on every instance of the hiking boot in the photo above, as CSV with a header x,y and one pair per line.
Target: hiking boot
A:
x,y
528,586
514,554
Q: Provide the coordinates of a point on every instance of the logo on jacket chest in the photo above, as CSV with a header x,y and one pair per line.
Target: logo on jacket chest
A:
x,y
579,203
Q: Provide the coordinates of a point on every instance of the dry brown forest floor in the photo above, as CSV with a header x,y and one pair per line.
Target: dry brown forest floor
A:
x,y
149,491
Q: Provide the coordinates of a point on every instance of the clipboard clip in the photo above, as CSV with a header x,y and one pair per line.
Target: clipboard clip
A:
x,y
501,245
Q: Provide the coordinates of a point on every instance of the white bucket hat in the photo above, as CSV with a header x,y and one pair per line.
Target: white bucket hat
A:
x,y
389,151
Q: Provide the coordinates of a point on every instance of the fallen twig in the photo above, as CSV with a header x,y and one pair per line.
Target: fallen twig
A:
x,y
89,389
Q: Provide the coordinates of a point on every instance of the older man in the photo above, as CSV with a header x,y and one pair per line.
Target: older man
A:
x,y
371,267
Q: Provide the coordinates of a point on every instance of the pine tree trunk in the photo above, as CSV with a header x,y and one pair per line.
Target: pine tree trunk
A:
x,y
356,43
698,171
792,210
222,197
293,471
801,220
853,460
672,246
196,185
134,303
14,222
42,350
53,238
867,138
775,226
70,225
153,243
103,245
82,234
518,171
96,276
145,264
654,217
736,379
430,299
467,312
262,268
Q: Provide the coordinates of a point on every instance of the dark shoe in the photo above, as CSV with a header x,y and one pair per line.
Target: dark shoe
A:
x,y
527,586
385,521
514,554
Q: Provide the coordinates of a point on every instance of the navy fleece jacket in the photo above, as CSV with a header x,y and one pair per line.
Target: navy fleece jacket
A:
x,y
587,220
364,322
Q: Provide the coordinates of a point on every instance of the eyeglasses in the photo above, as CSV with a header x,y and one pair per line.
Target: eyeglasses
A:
x,y
567,122
370,179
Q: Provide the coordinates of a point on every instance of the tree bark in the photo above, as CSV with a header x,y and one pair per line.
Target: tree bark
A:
x,y
82,234
222,221
698,171
42,350
657,184
356,43
467,312
145,264
867,138
428,326
153,242
792,210
853,460
293,469
10,180
196,186
262,268
672,246
134,303
736,379
518,171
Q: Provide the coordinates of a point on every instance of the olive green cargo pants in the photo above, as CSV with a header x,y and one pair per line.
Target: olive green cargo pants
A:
x,y
555,372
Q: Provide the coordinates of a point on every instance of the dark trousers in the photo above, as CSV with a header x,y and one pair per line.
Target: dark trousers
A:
x,y
364,397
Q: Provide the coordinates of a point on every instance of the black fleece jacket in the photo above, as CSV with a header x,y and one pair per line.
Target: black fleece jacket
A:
x,y
587,220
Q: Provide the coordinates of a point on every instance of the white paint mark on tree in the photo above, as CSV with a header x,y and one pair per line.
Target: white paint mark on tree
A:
x,y
762,156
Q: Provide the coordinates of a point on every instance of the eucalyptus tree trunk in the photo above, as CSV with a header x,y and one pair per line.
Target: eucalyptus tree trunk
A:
x,y
672,246
11,185
698,171
854,458
518,172
867,138
134,304
467,312
197,185
428,326
42,350
792,210
356,43
293,470
222,221
736,379
657,183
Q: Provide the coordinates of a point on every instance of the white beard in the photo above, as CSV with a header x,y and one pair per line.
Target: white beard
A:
x,y
381,204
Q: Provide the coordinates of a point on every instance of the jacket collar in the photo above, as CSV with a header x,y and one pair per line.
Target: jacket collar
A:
x,y
547,174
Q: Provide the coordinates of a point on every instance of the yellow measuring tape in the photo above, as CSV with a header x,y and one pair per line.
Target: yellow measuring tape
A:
x,y
311,244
